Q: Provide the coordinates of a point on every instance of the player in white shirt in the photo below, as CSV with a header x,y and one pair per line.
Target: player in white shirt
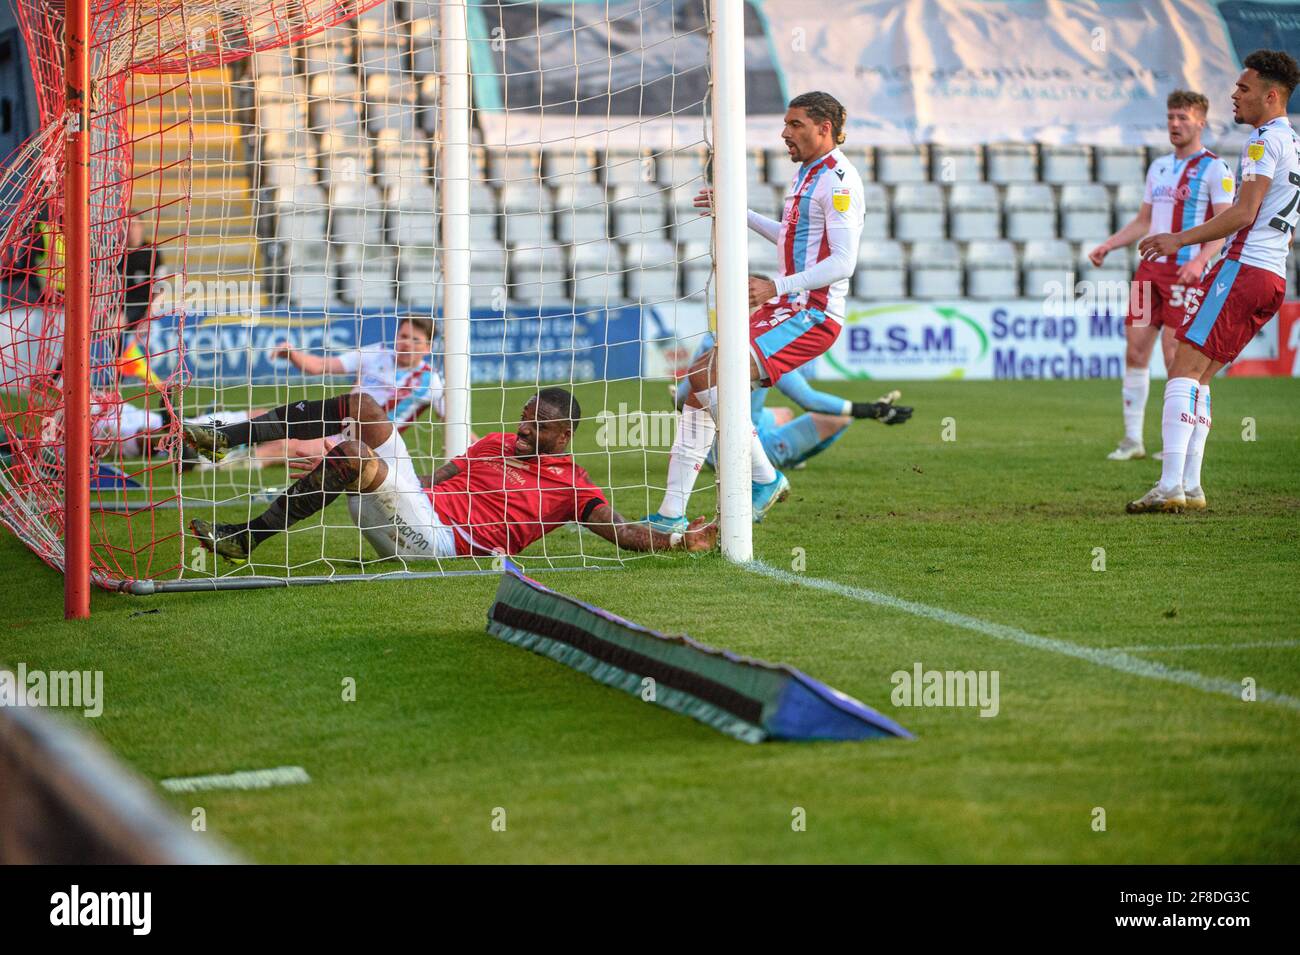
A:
x,y
1183,189
1245,287
797,317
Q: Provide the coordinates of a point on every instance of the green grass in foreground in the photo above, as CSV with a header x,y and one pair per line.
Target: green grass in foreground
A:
x,y
1001,524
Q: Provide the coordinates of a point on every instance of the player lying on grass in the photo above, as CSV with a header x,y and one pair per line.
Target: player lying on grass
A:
x,y
1187,186
1244,289
504,493
789,440
401,380
796,317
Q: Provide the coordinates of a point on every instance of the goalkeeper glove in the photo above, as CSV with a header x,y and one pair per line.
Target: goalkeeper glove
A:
x,y
884,410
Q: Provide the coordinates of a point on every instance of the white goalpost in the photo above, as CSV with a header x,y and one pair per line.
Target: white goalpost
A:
x,y
284,195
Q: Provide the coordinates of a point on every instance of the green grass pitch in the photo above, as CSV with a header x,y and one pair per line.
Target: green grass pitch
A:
x,y
449,724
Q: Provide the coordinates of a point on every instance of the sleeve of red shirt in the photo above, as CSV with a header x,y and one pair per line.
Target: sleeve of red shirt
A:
x,y
586,495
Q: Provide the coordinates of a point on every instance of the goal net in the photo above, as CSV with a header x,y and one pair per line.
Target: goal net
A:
x,y
270,194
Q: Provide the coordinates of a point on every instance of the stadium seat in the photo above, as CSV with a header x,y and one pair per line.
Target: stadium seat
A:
x,y
283,143
1117,165
340,166
400,162
539,275
308,285
935,270
483,218
637,211
1062,164
875,211
417,280
487,274
952,164
1114,269
527,213
564,162
277,62
895,164
1128,201
1008,163
516,164
424,45
862,157
778,167
412,218
681,166
627,167
356,214
285,172
651,271
763,259
1030,212
597,272
581,214
755,168
1085,210
765,200
881,271
279,88
991,270
1047,261
918,212
696,264
369,281
300,213
334,84
974,212
403,119
690,224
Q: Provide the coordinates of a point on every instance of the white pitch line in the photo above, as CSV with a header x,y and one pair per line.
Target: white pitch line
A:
x,y
244,779
1112,659
1273,645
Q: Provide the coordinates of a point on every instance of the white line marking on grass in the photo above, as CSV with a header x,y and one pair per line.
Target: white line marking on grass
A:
x,y
1113,659
1274,645
244,779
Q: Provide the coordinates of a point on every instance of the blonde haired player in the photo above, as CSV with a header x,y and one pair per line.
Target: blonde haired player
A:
x,y
1184,188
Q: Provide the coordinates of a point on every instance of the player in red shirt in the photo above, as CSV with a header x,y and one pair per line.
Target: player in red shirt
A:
x,y
503,494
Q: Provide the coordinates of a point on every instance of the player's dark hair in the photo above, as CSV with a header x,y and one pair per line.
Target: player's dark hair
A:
x,y
1186,99
421,323
1275,66
823,108
562,403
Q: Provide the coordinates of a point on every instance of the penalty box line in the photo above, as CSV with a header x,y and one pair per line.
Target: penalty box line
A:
x,y
1111,659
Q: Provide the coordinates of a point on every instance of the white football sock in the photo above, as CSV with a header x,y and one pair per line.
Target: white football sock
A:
x,y
760,467
695,433
1176,427
1196,447
1137,383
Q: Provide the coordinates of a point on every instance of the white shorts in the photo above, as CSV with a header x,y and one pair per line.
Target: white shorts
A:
x,y
398,519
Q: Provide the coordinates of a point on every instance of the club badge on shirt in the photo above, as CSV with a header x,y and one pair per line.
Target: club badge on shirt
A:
x,y
840,199
1228,184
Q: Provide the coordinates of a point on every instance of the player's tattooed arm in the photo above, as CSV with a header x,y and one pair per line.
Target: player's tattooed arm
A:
x,y
444,473
701,535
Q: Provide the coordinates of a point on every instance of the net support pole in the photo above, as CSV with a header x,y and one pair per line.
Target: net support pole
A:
x,y
731,260
454,58
76,326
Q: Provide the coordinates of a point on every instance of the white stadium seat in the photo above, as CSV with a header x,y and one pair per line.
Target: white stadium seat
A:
x,y
356,214
412,218
369,282
487,274
918,212
1008,163
1117,165
1047,261
974,212
695,262
417,279
950,164
1062,164
651,271
597,272
1085,210
935,268
863,159
308,285
896,164
637,211
991,270
689,223
1128,201
527,214
1030,212
539,275
875,211
483,219
679,166
581,214
1114,269
565,162
881,271
627,167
